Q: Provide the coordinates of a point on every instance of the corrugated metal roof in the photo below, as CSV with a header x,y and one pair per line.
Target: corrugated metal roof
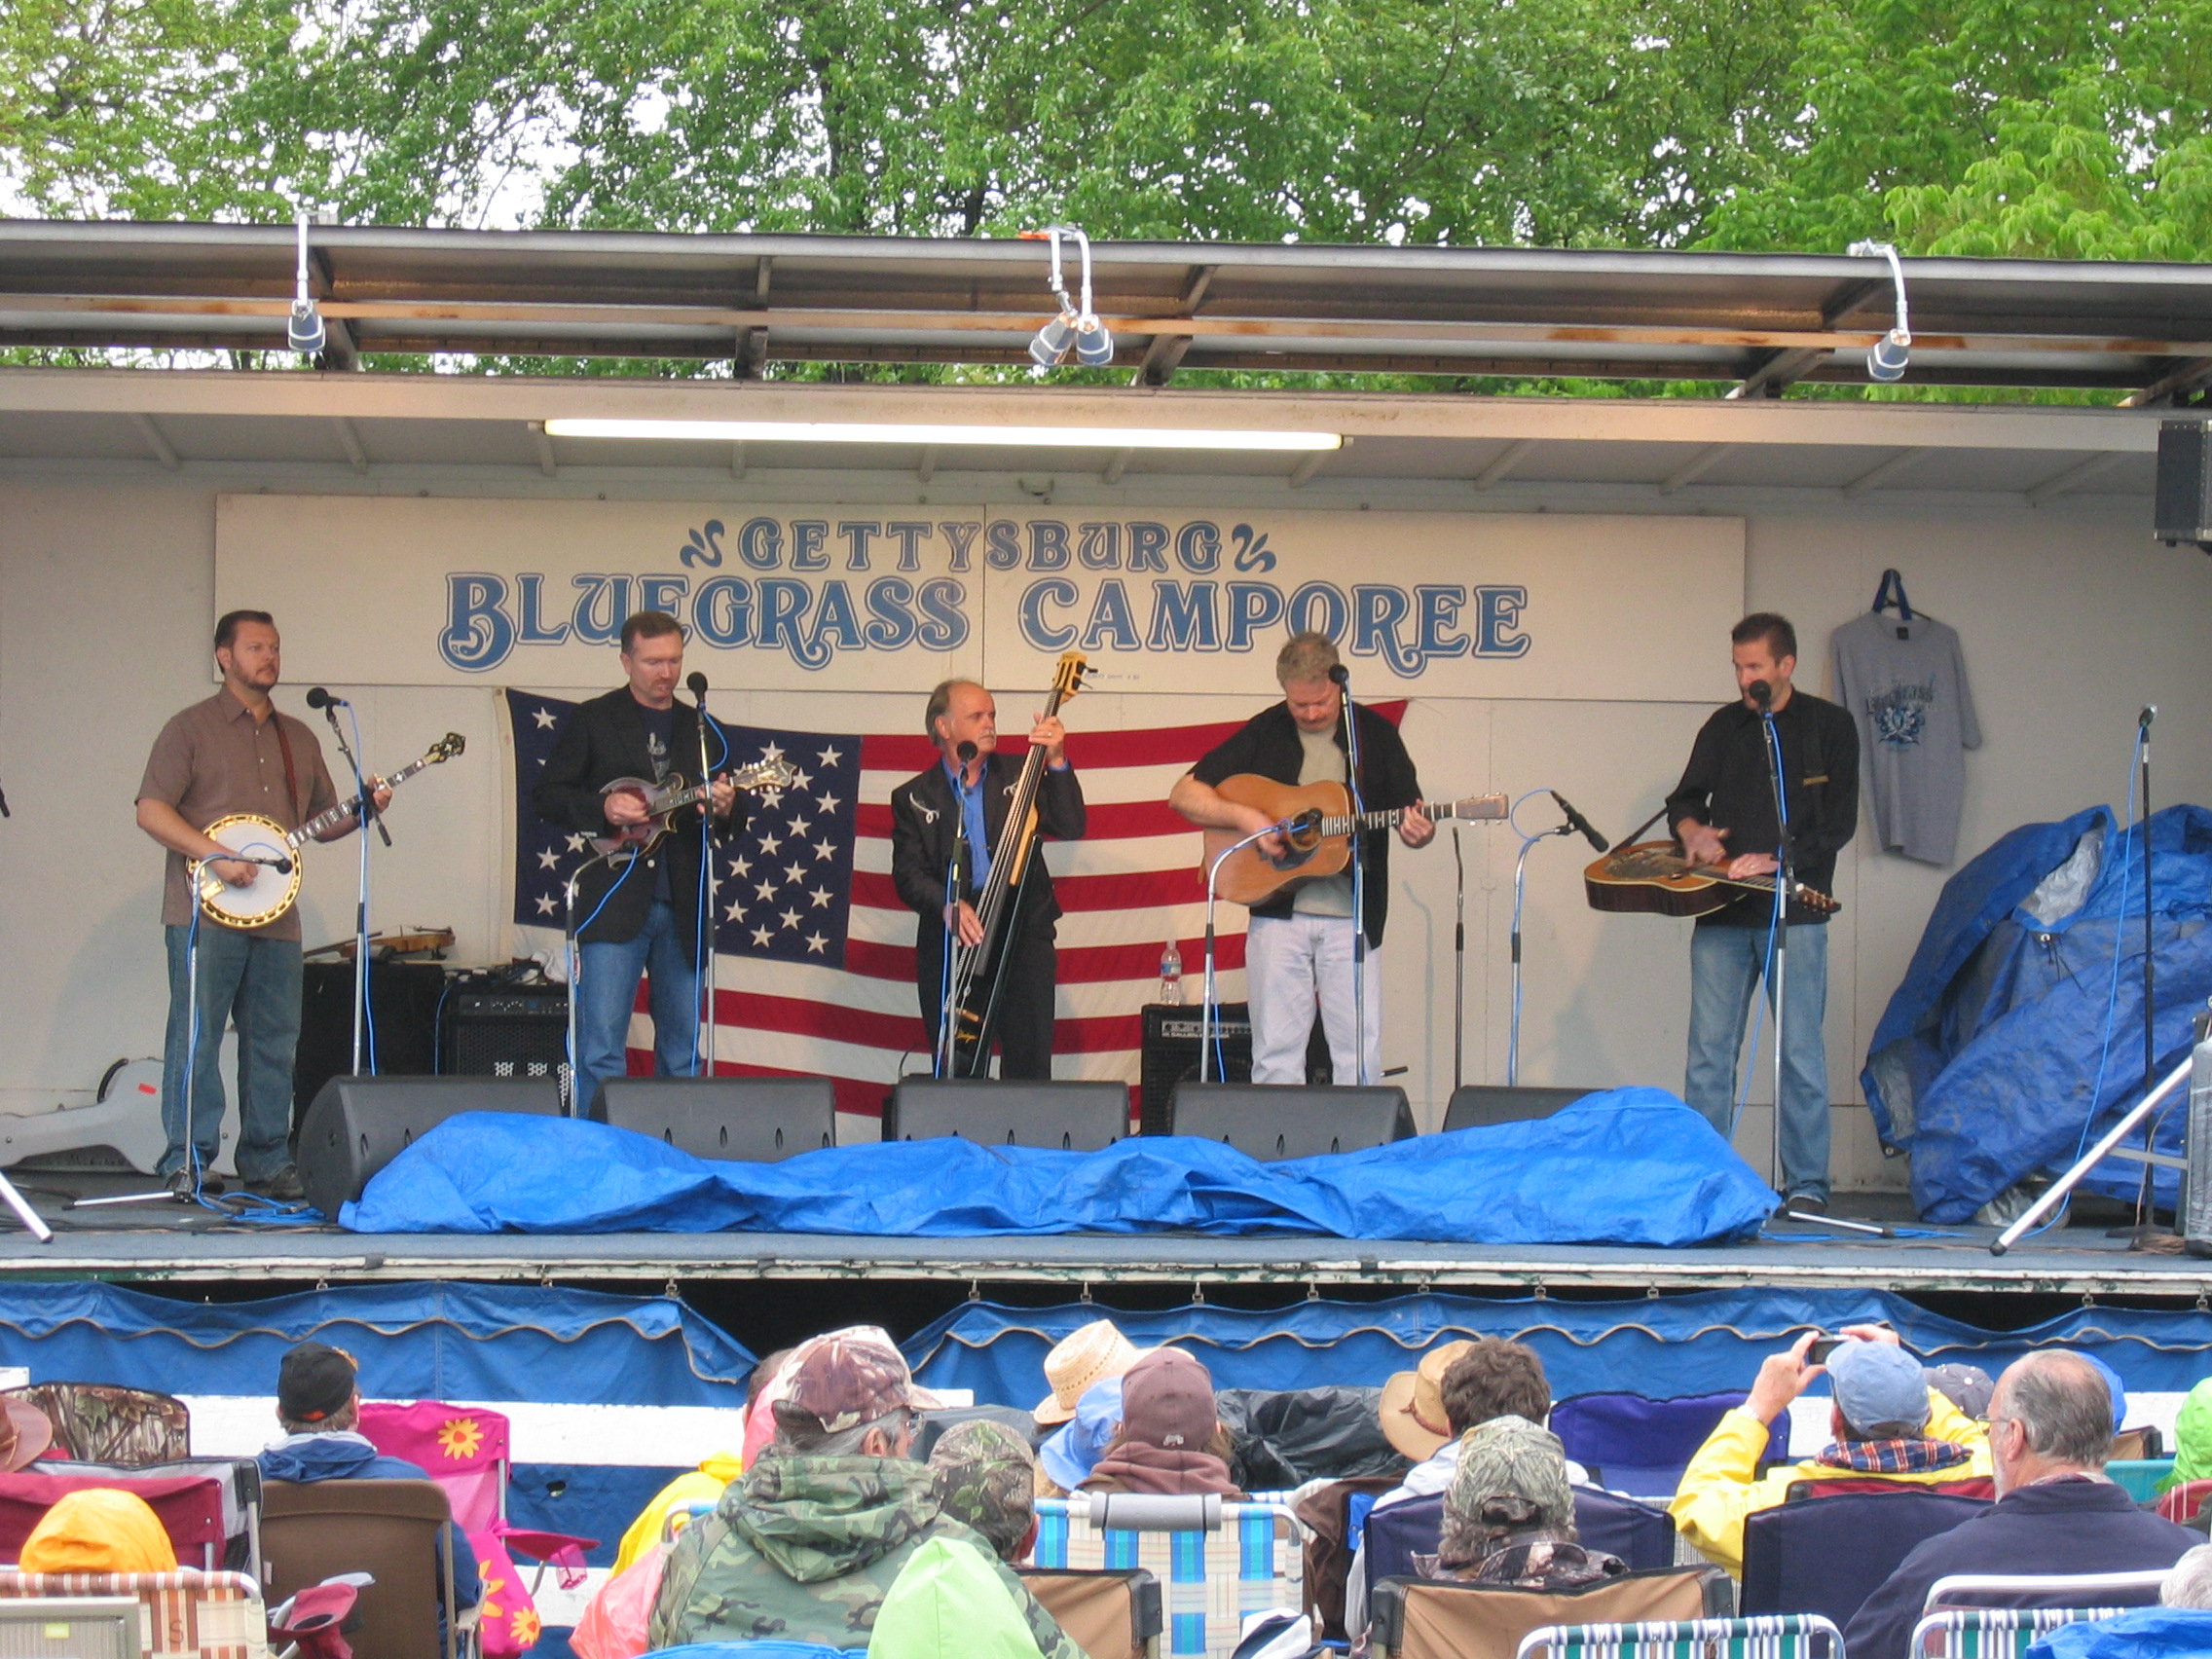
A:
x,y
748,300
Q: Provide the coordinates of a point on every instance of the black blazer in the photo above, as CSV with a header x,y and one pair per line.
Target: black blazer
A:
x,y
922,822
605,739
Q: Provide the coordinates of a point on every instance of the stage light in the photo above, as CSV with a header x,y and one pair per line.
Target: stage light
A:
x,y
997,436
304,331
1076,323
1890,355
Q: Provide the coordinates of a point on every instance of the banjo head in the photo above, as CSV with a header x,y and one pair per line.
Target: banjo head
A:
x,y
269,895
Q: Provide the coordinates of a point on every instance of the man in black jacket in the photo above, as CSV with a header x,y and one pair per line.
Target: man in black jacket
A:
x,y
2056,1512
1297,949
1722,812
642,915
969,795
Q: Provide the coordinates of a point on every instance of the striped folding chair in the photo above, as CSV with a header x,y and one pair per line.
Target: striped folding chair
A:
x,y
1217,1561
181,1615
1994,1633
1777,1636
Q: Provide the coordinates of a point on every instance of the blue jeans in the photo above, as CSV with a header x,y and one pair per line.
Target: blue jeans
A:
x,y
1725,963
608,991
255,981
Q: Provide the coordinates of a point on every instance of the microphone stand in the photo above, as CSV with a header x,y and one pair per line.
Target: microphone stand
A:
x,y
703,1014
1460,966
1343,678
364,813
1209,1012
1520,890
1781,975
947,1038
574,952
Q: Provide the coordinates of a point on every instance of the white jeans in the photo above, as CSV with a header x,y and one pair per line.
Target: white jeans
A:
x,y
1292,966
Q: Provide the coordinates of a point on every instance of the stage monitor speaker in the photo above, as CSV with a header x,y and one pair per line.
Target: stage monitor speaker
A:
x,y
2181,508
403,1003
2197,1195
1078,1117
1275,1120
1171,1056
358,1124
1479,1105
734,1120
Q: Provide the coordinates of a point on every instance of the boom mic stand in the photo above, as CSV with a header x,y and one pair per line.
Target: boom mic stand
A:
x,y
364,813
1763,695
703,1012
1209,1010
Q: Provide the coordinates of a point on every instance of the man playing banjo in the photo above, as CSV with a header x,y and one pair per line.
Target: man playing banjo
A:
x,y
234,752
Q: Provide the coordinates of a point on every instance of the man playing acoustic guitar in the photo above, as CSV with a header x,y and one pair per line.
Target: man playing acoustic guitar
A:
x,y
1722,812
641,916
234,752
1298,951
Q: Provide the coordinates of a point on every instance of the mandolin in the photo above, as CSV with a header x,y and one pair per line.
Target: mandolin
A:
x,y
271,891
663,801
1654,878
1319,838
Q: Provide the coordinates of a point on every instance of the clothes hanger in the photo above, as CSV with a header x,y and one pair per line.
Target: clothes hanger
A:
x,y
1892,592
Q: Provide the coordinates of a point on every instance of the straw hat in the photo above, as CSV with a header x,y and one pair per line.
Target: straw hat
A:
x,y
1083,1357
25,1433
1412,1407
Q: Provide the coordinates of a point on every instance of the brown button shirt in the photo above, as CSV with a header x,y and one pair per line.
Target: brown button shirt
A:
x,y
214,758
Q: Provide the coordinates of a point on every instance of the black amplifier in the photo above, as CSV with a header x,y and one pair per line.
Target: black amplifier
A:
x,y
492,1029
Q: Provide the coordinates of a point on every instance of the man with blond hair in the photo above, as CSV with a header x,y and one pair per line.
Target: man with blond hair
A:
x,y
1299,949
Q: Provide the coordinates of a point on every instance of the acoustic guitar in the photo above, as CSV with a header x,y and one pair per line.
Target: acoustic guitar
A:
x,y
1318,842
271,891
663,801
1653,878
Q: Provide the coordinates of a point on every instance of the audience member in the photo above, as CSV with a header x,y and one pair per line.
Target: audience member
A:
x,y
1509,1514
706,1483
1079,1362
1170,1441
319,1407
2190,1583
2193,1438
1885,1420
1070,1452
762,1389
806,1545
986,1478
2051,1428
98,1529
1966,1386
25,1435
1460,1386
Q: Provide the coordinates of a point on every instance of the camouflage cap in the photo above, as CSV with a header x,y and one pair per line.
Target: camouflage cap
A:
x,y
843,1379
987,1477
1511,1473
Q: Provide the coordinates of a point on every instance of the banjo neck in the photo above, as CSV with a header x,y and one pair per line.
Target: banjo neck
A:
x,y
316,827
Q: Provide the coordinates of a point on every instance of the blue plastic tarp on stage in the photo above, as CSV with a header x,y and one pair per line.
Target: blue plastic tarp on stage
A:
x,y
1660,1347
1627,1167
430,1341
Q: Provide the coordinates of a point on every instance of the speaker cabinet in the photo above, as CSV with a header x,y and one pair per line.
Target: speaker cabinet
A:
x,y
1171,1054
506,1031
1271,1121
403,1003
2197,1181
1479,1105
1076,1116
2181,508
736,1120
358,1124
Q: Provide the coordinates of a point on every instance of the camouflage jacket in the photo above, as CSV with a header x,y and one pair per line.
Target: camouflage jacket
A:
x,y
805,1549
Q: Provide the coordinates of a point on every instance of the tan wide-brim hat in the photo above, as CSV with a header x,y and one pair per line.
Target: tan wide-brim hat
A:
x,y
1080,1360
25,1435
1412,1407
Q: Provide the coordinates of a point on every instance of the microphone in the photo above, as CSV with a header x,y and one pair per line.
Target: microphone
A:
x,y
965,753
1759,692
1341,675
281,866
318,698
1579,824
696,683
2150,713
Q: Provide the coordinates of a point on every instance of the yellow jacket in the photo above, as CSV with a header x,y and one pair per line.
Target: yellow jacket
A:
x,y
1721,1488
703,1484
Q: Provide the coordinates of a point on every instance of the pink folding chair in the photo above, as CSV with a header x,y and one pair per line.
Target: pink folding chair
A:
x,y
464,1449
189,1507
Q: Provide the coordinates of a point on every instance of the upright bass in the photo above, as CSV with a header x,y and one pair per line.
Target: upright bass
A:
x,y
976,1008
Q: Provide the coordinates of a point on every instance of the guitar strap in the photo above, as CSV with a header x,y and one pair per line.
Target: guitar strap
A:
x,y
292,777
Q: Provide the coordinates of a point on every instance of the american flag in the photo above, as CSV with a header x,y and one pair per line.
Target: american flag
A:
x,y
815,951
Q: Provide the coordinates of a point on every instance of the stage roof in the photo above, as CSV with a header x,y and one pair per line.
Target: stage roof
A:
x,y
1757,320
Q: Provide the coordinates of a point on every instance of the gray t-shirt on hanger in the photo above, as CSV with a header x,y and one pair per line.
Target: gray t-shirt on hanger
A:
x,y
1905,685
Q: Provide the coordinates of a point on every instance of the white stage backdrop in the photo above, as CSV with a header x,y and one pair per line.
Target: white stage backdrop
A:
x,y
412,592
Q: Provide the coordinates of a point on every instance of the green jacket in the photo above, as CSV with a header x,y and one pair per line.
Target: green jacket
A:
x,y
805,1549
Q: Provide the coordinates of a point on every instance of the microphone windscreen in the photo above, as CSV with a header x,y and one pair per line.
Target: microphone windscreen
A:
x,y
965,753
697,682
1760,692
318,697
1341,675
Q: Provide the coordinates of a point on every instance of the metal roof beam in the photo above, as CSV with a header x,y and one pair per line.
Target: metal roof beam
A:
x,y
1165,351
2073,478
543,442
2191,375
1512,455
155,441
350,441
1778,371
1875,476
1696,467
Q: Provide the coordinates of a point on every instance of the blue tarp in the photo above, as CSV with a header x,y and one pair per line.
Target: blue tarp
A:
x,y
1627,1167
1660,1347
429,1342
1983,1064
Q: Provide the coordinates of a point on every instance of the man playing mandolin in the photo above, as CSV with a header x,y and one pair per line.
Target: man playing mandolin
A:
x,y
639,913
1298,951
234,752
968,791
1722,812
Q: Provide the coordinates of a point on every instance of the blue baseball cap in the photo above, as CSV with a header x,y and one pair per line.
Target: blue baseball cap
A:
x,y
1878,1383
1068,1456
2115,1384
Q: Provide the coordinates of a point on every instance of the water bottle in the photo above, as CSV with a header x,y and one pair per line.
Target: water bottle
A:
x,y
1171,973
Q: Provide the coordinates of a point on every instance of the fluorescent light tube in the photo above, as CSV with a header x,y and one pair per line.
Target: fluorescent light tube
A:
x,y
878,432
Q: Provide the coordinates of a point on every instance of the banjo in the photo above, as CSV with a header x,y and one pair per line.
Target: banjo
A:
x,y
271,891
